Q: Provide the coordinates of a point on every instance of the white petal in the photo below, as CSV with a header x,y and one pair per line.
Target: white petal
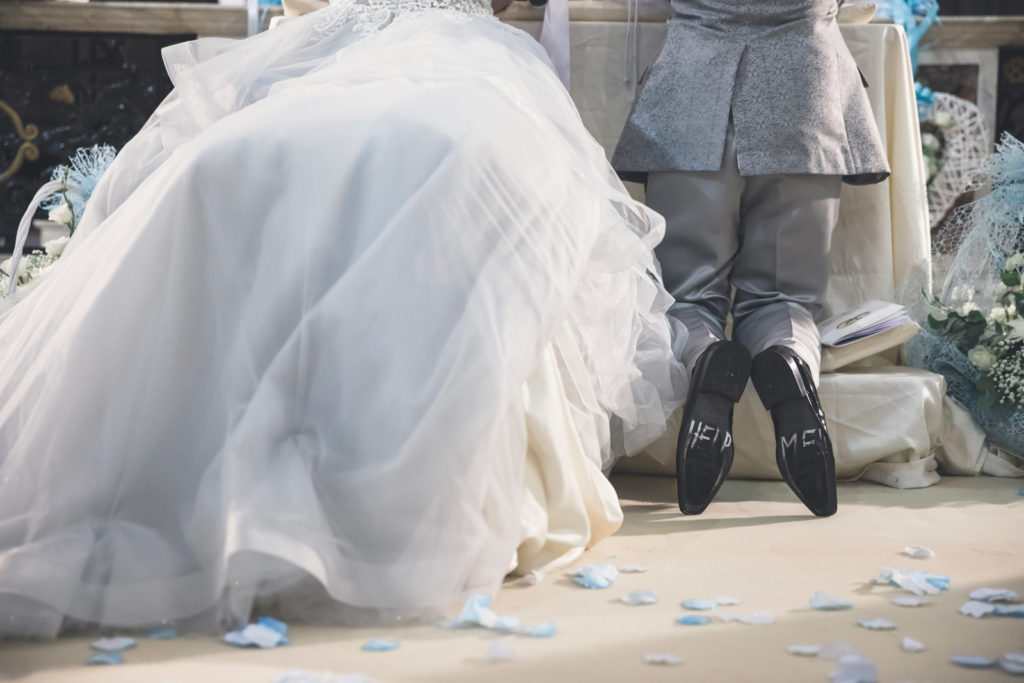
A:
x,y
758,618
641,597
836,650
727,600
531,579
300,676
823,601
907,601
1012,663
911,645
499,651
113,644
855,668
972,662
877,624
995,595
976,608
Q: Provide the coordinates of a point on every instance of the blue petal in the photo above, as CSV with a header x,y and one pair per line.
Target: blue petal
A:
x,y
545,629
595,576
693,620
380,645
972,662
164,633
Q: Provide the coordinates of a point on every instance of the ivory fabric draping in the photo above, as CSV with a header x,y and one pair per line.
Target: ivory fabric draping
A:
x,y
567,502
315,318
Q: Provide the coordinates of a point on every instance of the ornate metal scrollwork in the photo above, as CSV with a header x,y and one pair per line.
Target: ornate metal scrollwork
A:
x,y
1013,70
27,149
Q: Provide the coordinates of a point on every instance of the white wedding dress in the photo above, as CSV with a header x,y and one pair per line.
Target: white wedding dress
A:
x,y
360,305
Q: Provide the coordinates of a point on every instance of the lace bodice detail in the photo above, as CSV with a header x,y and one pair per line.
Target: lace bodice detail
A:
x,y
368,16
402,6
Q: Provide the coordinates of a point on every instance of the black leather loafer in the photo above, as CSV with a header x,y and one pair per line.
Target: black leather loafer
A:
x,y
803,449
704,452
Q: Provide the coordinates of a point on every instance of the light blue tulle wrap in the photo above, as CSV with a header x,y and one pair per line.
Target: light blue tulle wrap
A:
x,y
81,175
972,250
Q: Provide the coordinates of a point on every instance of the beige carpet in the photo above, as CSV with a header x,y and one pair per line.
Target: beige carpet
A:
x,y
755,543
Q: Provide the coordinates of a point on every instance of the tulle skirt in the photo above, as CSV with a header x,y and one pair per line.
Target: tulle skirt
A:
x,y
283,358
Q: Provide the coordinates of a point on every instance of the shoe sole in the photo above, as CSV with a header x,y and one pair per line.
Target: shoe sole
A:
x,y
782,387
718,383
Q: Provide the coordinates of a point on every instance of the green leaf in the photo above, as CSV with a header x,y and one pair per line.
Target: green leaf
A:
x,y
975,317
987,399
937,324
1010,278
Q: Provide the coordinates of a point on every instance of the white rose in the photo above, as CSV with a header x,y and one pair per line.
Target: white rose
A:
x,y
967,308
62,214
929,141
982,358
942,119
55,247
1015,262
43,272
940,314
999,314
22,267
1016,328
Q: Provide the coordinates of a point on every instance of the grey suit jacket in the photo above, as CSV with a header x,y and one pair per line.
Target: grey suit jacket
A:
x,y
782,70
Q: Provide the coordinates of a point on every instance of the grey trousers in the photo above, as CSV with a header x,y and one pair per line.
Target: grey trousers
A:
x,y
768,236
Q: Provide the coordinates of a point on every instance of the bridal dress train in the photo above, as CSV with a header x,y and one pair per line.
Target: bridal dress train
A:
x,y
350,328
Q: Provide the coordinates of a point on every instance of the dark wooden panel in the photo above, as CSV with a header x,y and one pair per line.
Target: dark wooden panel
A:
x,y
1010,103
980,7
79,90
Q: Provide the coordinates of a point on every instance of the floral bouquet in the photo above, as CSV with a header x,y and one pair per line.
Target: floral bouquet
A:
x,y
34,265
973,328
993,343
66,196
